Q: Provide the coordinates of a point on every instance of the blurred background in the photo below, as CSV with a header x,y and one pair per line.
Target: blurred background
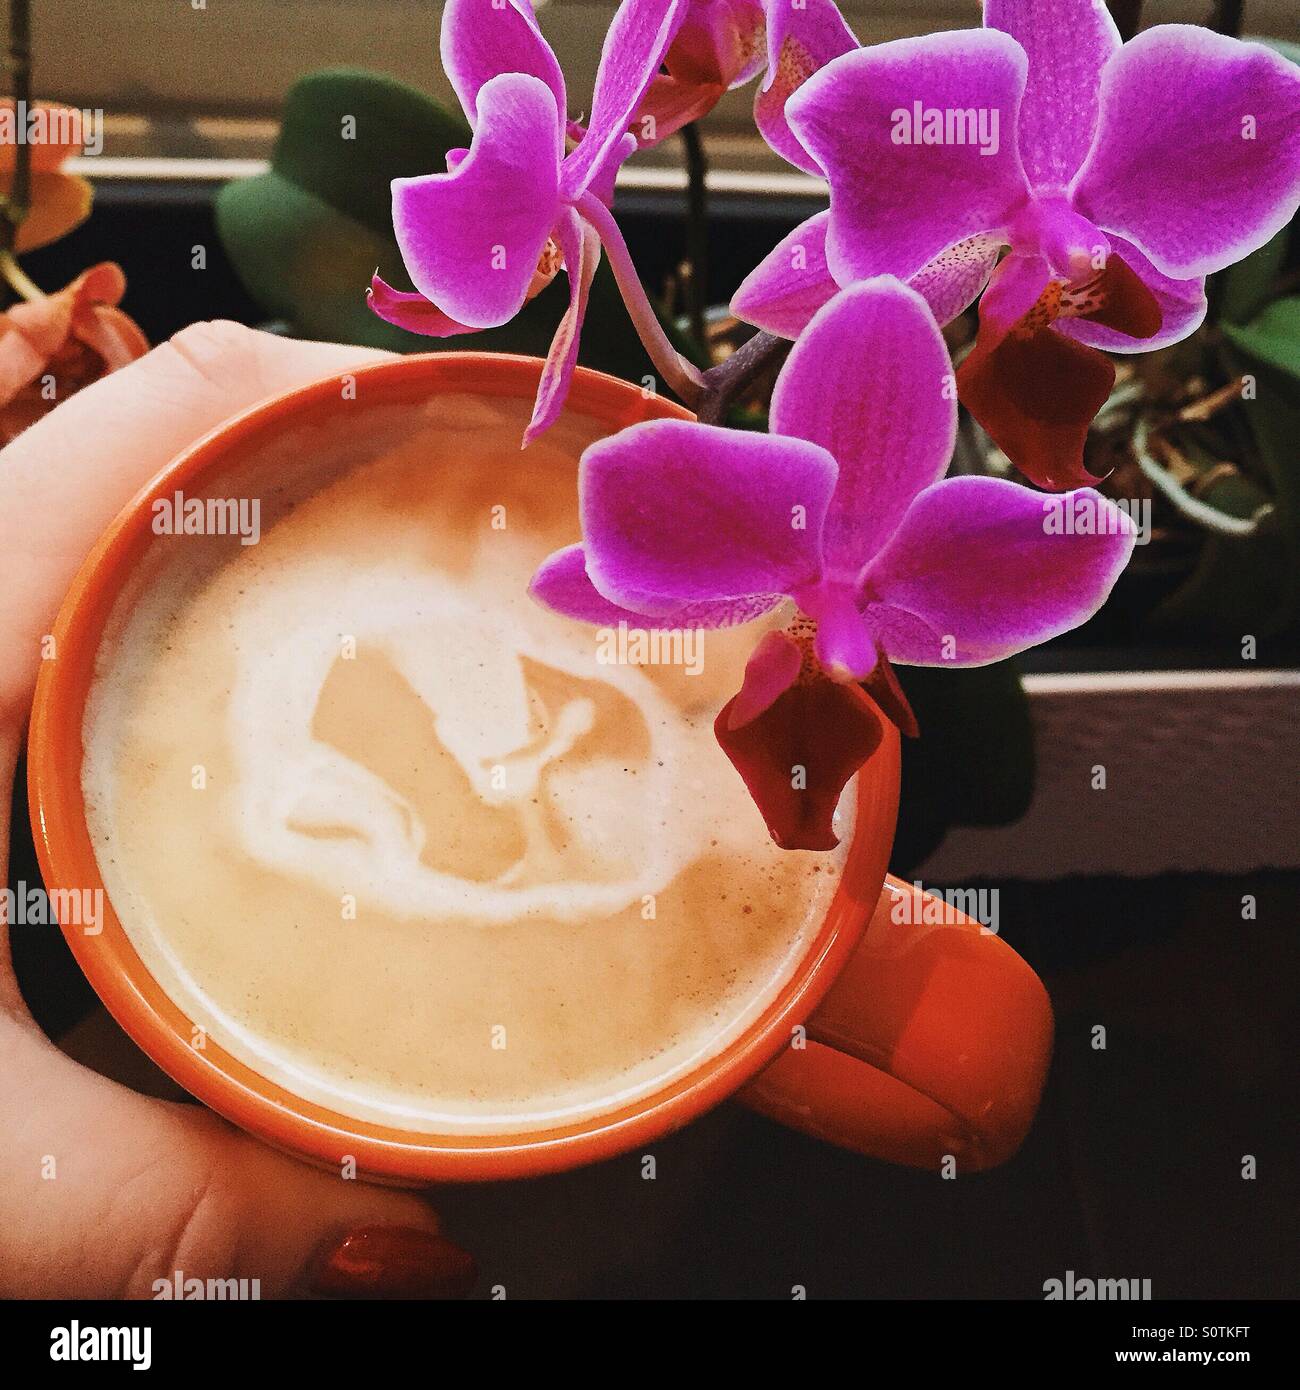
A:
x,y
187,79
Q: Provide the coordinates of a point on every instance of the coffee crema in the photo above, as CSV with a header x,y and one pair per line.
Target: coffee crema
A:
x,y
398,838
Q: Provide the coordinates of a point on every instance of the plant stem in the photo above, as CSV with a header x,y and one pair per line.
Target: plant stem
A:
x,y
1127,15
709,393
697,229
20,73
725,381
684,378
1218,523
1227,17
17,278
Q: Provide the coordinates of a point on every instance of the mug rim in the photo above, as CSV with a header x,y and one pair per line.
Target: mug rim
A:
x,y
221,1081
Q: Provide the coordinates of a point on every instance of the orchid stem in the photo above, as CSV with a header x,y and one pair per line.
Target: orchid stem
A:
x,y
17,278
684,378
723,383
1227,17
697,230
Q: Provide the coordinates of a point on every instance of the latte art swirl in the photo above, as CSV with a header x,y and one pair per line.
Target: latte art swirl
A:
x,y
301,806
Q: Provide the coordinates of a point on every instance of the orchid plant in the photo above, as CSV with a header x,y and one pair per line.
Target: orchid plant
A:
x,y
1082,187
1110,180
481,238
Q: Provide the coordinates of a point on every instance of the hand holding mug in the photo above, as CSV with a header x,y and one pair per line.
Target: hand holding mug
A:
x,y
900,1033
103,1191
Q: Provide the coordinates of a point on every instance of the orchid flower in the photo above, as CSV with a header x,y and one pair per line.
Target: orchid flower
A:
x,y
478,240
1118,175
842,511
722,44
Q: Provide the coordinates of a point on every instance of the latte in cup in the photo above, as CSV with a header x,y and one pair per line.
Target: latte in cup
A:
x,y
401,840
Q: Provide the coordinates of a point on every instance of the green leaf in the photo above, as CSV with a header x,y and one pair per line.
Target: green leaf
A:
x,y
306,236
1272,336
346,134
1282,46
974,761
1245,288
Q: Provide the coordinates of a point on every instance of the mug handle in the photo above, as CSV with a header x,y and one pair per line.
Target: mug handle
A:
x,y
933,1043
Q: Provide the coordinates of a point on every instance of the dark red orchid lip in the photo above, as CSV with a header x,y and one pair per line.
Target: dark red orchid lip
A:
x,y
883,687
1036,396
797,756
1036,392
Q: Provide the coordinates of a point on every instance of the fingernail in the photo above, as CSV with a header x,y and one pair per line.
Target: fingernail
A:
x,y
393,1262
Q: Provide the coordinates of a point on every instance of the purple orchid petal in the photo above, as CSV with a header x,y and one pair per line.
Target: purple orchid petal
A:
x,y
412,312
634,48
773,667
471,239
981,569
1197,153
1182,308
482,39
871,383
1049,227
563,585
580,247
783,292
789,285
603,180
1068,43
952,282
801,39
896,201
675,512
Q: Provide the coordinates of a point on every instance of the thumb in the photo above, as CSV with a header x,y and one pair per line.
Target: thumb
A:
x,y
104,1193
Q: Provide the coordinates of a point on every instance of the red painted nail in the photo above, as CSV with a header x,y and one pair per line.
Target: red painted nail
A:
x,y
393,1262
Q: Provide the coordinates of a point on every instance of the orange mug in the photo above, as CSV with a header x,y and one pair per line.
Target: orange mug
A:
x,y
894,1036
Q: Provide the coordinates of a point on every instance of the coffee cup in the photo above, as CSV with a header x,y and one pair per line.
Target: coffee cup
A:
x,y
895,1026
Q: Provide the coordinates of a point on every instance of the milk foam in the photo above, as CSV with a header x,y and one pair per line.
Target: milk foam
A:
x,y
461,652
